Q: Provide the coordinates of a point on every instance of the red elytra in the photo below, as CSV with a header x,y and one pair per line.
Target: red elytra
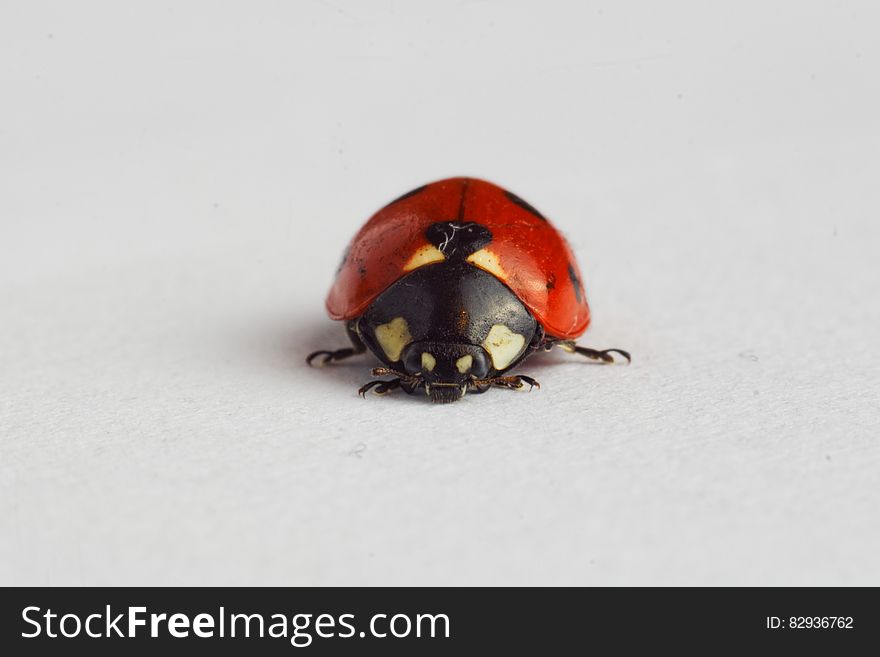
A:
x,y
530,256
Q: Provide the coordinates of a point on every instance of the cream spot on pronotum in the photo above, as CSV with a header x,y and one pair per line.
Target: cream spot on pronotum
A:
x,y
464,364
393,337
425,255
488,261
428,361
503,345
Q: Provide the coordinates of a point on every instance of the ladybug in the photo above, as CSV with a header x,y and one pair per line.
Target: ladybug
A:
x,y
454,284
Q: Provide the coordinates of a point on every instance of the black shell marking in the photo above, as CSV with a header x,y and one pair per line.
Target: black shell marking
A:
x,y
458,239
411,192
525,205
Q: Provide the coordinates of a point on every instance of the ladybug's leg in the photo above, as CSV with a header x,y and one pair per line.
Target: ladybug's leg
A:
x,y
512,382
403,380
479,386
379,387
515,382
332,356
357,347
595,354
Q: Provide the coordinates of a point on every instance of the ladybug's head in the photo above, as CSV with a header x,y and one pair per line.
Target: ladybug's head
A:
x,y
446,368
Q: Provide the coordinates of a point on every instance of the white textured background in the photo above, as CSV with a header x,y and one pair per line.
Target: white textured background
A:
x,y
177,183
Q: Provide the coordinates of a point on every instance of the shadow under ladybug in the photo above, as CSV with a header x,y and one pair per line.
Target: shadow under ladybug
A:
x,y
453,285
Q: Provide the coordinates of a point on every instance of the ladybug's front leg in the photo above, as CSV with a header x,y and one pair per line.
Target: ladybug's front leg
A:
x,y
357,347
332,356
515,382
379,387
594,354
403,380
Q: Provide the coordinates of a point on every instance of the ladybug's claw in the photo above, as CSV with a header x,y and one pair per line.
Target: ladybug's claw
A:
x,y
379,387
331,356
527,379
595,354
407,382
327,357
516,382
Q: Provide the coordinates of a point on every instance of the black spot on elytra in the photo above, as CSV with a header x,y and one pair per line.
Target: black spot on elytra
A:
x,y
524,205
362,271
551,281
576,282
412,192
456,238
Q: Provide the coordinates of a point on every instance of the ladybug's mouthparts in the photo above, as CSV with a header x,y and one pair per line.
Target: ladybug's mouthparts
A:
x,y
444,393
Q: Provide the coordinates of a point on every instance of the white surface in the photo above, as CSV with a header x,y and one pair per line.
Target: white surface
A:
x,y
178,181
